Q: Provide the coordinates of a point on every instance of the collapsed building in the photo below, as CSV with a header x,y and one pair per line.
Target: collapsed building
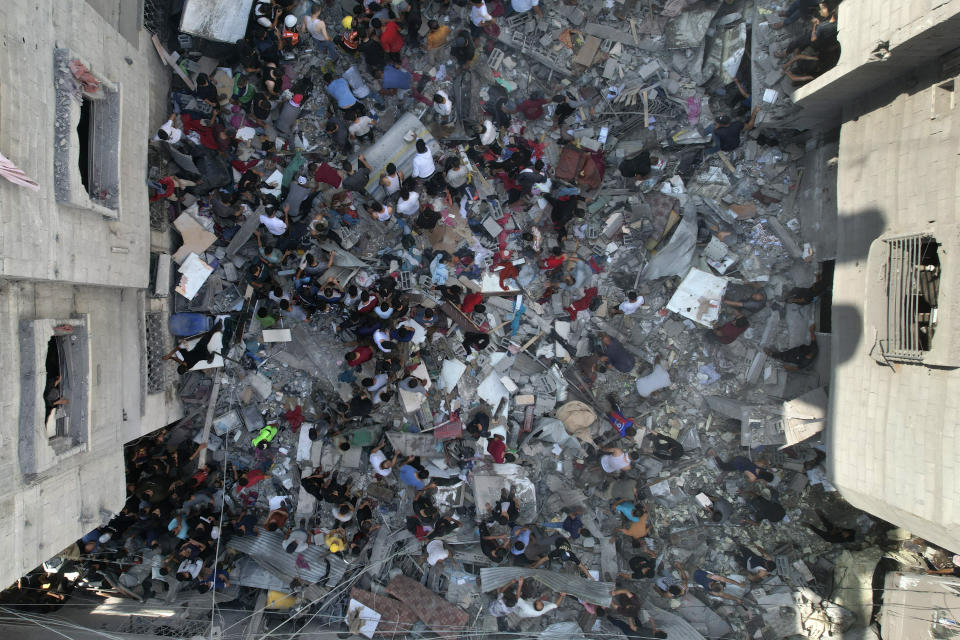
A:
x,y
812,207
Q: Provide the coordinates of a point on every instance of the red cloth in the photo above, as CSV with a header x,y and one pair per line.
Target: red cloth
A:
x,y
532,109
497,448
369,306
294,418
327,174
508,271
582,303
253,477
730,331
390,38
508,182
471,301
206,133
242,167
364,353
552,262
167,182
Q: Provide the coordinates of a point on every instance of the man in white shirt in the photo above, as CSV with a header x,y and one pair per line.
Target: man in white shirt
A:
x,y
535,608
522,6
442,106
408,203
379,463
168,131
633,302
423,166
479,16
362,128
382,339
274,225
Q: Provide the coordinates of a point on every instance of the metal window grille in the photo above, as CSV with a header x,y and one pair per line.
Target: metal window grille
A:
x,y
156,18
903,297
156,380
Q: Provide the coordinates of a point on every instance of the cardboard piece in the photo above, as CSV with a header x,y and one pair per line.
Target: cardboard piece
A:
x,y
194,273
699,297
196,239
277,335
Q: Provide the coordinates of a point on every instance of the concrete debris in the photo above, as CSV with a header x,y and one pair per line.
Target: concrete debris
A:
x,y
490,329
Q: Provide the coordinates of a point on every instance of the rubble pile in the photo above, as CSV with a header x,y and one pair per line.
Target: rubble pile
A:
x,y
534,356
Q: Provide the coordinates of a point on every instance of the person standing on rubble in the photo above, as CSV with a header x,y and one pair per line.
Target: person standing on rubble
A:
x,y
317,28
726,133
617,460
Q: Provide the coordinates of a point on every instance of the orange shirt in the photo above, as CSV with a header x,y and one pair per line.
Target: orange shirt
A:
x,y
438,38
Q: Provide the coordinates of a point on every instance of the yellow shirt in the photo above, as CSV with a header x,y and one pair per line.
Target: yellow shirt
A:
x,y
438,38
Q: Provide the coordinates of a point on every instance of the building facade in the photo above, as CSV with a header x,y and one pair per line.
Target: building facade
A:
x,y
80,88
895,394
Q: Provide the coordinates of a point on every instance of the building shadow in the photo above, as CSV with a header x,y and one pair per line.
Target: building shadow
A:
x,y
855,233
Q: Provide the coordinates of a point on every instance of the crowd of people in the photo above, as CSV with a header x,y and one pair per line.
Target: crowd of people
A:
x,y
345,71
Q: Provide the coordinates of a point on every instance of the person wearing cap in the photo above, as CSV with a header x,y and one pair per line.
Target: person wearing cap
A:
x,y
349,40
317,28
726,134
290,34
289,113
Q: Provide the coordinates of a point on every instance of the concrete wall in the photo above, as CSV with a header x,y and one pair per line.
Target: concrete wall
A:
x,y
917,33
41,239
893,435
59,262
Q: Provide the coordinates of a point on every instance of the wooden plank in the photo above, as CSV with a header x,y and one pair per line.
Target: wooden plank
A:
x,y
587,52
168,59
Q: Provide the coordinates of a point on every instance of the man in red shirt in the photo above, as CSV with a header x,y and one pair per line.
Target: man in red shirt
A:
x,y
532,108
359,355
497,448
391,40
472,302
555,260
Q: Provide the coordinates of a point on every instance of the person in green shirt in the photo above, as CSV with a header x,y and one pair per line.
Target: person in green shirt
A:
x,y
266,320
242,91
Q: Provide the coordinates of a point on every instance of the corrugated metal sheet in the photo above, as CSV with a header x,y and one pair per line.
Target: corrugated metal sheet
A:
x,y
598,593
267,550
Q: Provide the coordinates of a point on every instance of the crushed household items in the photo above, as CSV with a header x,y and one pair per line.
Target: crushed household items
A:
x,y
491,318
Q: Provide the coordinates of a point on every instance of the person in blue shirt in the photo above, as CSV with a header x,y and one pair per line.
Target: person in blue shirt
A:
x,y
628,509
339,90
413,477
520,538
393,79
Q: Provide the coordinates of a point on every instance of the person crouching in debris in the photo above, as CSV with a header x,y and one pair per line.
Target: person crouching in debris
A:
x,y
758,566
714,584
797,358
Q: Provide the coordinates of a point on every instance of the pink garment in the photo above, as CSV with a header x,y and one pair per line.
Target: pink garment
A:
x,y
15,175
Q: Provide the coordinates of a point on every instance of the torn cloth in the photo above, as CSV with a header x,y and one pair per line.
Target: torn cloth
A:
x,y
15,175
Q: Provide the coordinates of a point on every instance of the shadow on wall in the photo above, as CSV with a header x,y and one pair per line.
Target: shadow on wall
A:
x,y
856,231
847,323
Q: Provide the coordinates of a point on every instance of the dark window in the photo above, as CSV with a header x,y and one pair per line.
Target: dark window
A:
x,y
83,135
55,390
